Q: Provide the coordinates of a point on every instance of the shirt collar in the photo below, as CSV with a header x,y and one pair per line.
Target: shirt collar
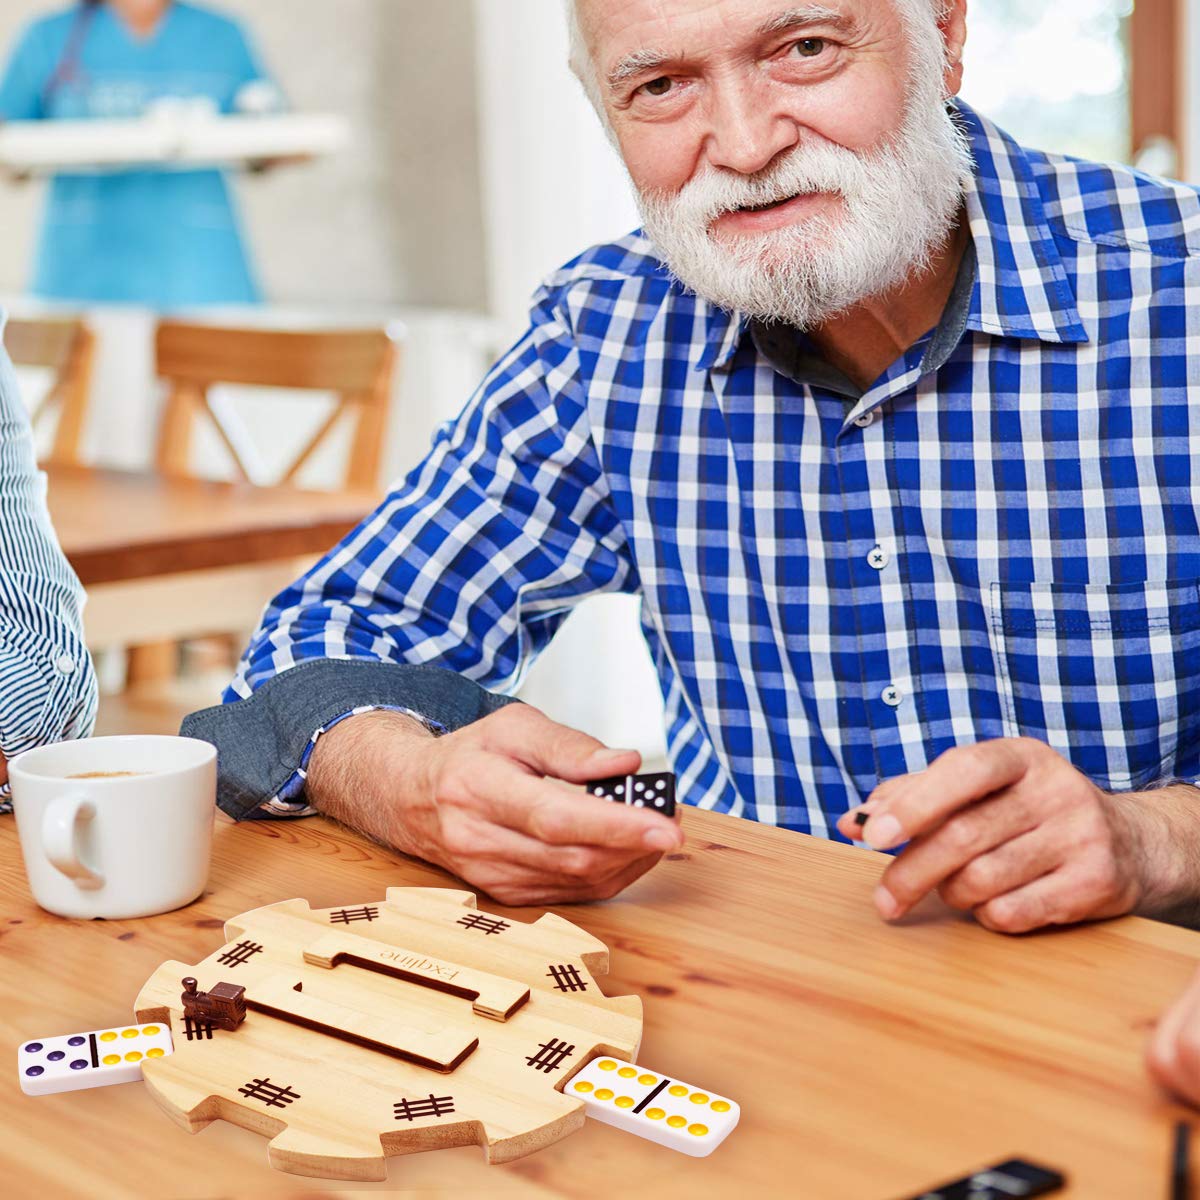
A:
x,y
793,355
723,333
1021,286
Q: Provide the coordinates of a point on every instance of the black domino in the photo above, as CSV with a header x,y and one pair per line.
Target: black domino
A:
x,y
1002,1182
655,791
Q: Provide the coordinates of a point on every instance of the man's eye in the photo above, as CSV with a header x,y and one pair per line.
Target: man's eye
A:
x,y
810,47
658,87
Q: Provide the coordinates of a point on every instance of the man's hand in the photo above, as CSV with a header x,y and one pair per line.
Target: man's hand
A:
x,y
487,803
1014,833
1173,1054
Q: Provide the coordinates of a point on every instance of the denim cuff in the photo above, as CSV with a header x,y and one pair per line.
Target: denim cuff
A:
x,y
261,740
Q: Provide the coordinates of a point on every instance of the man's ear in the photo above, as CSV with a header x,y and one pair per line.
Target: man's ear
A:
x,y
953,23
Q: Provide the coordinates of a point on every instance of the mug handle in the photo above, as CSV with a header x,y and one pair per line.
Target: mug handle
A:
x,y
60,838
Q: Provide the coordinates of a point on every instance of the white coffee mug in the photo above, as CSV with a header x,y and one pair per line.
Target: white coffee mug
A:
x,y
131,838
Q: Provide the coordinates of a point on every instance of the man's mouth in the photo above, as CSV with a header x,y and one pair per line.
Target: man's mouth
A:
x,y
756,208
754,220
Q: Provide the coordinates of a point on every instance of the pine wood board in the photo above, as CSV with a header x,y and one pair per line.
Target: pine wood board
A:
x,y
364,1037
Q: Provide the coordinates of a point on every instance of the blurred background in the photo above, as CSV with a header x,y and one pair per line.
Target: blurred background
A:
x,y
468,166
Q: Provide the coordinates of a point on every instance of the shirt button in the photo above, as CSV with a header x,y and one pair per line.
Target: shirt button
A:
x,y
878,558
65,664
865,421
891,696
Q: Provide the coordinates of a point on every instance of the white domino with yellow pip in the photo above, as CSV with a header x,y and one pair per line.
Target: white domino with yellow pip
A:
x,y
86,1060
654,1106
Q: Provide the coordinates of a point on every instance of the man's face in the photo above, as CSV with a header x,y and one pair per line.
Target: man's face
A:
x,y
733,84
790,158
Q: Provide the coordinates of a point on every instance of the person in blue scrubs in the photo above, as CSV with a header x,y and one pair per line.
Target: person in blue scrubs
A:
x,y
165,238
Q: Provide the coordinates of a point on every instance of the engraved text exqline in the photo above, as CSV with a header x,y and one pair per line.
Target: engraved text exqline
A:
x,y
412,962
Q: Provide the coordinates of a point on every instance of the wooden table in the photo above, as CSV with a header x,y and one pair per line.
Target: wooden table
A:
x,y
159,557
870,1061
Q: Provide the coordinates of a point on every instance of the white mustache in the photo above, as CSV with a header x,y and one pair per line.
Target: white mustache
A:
x,y
819,168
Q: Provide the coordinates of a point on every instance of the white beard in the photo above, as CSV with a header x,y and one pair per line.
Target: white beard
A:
x,y
898,204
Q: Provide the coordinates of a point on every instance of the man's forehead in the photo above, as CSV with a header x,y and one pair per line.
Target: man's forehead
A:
x,y
615,26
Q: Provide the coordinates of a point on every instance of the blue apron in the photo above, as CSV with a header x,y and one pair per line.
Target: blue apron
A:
x,y
162,238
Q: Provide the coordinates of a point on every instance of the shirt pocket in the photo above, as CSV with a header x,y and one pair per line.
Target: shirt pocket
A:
x,y
1109,676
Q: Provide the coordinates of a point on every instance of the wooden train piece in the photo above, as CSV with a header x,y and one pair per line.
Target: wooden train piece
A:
x,y
223,1006
415,1023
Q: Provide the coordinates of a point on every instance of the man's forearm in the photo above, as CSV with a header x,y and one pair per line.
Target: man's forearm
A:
x,y
348,781
1164,826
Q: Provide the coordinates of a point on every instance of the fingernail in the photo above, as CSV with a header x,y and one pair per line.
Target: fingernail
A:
x,y
888,905
604,754
883,832
659,839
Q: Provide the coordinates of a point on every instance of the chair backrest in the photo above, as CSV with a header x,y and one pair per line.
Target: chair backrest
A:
x,y
357,365
68,349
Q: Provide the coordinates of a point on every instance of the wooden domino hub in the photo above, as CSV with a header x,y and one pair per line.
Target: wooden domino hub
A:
x,y
414,1023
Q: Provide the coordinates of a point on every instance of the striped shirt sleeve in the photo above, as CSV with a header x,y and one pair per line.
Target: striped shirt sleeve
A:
x,y
48,688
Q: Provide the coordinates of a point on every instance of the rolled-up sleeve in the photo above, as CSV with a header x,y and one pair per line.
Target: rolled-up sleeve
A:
x,y
47,685
444,596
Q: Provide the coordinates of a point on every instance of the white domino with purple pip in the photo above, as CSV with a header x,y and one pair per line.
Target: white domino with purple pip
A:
x,y
654,1106
86,1060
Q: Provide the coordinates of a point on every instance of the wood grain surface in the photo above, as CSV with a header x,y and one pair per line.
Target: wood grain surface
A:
x,y
871,1062
118,526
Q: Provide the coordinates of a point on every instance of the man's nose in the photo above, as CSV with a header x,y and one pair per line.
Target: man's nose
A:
x,y
747,129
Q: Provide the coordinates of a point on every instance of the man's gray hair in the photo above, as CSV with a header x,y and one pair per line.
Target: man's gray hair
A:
x,y
581,60
584,65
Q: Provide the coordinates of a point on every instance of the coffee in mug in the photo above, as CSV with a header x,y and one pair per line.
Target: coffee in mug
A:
x,y
105,774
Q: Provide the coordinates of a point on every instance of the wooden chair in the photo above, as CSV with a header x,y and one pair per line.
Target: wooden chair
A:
x,y
357,366
68,348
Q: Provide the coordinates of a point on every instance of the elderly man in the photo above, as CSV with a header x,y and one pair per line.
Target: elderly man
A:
x,y
886,419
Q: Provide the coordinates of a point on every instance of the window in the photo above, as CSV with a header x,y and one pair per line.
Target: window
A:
x,y
1055,76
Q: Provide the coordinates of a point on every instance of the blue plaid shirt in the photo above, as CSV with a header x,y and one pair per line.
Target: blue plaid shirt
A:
x,y
1001,542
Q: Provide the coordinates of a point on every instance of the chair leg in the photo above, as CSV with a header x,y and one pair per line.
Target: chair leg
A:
x,y
151,663
217,651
